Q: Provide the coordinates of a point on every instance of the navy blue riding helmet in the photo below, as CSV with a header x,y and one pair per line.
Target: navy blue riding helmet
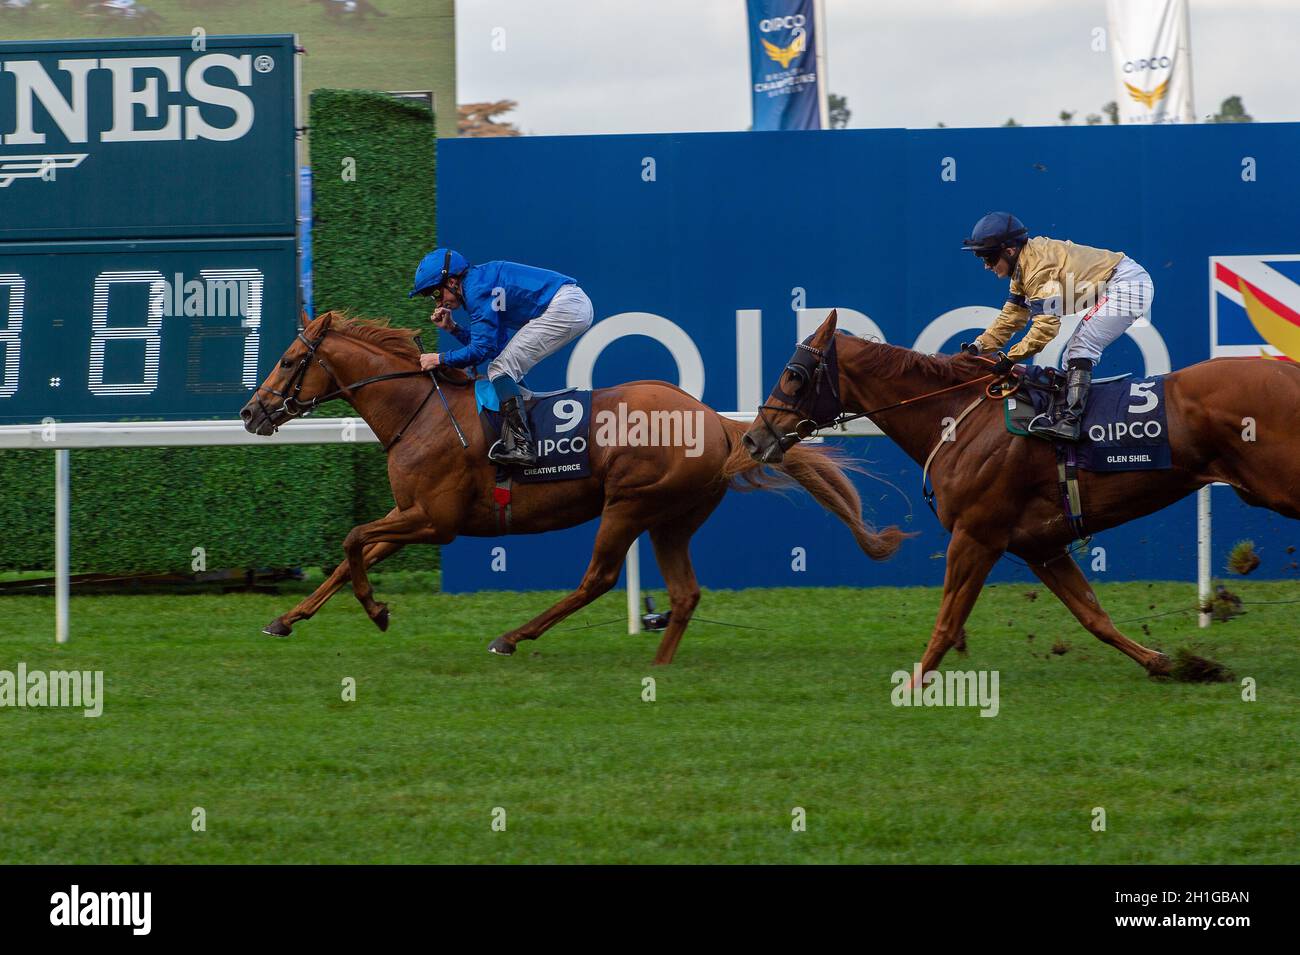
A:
x,y
994,231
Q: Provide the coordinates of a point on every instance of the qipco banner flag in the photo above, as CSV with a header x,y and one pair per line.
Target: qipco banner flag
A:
x,y
783,65
1150,42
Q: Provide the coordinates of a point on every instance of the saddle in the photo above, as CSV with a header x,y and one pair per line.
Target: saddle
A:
x,y
1124,428
1038,390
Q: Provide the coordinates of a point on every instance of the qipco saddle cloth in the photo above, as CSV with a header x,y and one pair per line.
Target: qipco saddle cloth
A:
x,y
561,424
1124,425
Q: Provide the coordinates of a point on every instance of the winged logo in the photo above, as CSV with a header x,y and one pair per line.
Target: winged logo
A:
x,y
784,54
36,167
1148,99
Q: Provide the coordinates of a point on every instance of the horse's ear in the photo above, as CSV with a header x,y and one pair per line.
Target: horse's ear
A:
x,y
826,330
325,322
303,319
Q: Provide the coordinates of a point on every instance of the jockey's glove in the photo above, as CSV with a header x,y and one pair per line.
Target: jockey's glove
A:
x,y
1002,367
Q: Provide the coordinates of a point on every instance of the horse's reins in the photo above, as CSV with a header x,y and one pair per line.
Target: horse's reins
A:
x,y
808,426
842,419
295,408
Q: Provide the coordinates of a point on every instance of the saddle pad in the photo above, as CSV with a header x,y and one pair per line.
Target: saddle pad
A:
x,y
1124,425
561,425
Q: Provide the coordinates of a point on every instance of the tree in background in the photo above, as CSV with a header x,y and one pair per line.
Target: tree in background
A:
x,y
1010,122
838,111
1231,111
1066,117
476,119
1111,109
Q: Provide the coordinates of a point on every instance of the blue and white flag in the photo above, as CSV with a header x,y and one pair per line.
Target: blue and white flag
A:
x,y
783,65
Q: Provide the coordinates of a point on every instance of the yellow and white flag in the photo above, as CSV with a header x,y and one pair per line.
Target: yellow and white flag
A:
x,y
1151,47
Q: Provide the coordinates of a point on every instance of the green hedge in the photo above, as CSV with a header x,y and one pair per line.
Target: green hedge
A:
x,y
368,234
142,510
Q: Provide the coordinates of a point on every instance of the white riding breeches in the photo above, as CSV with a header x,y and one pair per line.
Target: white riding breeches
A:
x,y
1125,299
567,316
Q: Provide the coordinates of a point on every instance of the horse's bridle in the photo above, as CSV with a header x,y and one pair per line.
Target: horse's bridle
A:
x,y
300,408
290,404
821,406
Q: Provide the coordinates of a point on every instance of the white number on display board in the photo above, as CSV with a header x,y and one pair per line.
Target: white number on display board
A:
x,y
103,333
249,284
11,341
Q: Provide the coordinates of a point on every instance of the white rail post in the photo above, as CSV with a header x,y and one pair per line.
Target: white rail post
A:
x,y
823,81
1203,581
61,546
633,567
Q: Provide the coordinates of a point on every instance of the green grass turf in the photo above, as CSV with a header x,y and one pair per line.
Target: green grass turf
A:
x,y
202,710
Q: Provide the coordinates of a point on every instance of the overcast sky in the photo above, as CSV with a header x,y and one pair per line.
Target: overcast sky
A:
x,y
632,66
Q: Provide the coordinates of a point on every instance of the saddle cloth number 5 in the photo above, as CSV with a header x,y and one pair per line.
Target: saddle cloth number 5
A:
x,y
1142,390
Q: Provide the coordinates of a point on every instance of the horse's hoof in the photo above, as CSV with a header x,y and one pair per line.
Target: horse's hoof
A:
x,y
1160,666
381,618
501,647
277,629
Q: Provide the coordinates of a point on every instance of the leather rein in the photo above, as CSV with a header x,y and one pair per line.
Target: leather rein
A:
x,y
294,407
809,425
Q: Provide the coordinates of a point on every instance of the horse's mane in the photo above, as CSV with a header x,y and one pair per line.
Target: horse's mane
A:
x,y
398,342
377,331
891,361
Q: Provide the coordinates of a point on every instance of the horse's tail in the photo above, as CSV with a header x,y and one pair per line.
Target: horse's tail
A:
x,y
822,472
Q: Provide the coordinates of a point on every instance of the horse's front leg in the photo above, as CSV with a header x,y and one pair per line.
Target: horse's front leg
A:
x,y
969,563
282,626
397,527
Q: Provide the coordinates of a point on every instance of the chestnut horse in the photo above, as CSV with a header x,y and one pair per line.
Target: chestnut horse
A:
x,y
996,492
444,487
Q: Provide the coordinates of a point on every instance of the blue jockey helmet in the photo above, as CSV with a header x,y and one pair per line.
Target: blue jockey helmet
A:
x,y
995,230
434,269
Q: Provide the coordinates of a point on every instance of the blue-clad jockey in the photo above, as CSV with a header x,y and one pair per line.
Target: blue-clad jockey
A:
x,y
518,315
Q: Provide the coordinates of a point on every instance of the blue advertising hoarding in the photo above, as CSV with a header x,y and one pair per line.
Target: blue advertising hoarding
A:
x,y
744,241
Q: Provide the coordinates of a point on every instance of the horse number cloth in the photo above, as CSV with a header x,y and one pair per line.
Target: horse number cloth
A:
x,y
1124,426
561,426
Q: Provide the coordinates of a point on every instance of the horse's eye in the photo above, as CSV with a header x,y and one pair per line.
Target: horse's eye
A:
x,y
286,364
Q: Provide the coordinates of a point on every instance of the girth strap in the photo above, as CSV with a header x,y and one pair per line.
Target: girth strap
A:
x,y
501,498
928,492
1067,473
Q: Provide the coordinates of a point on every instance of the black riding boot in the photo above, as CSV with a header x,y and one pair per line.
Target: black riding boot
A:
x,y
515,446
1064,426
